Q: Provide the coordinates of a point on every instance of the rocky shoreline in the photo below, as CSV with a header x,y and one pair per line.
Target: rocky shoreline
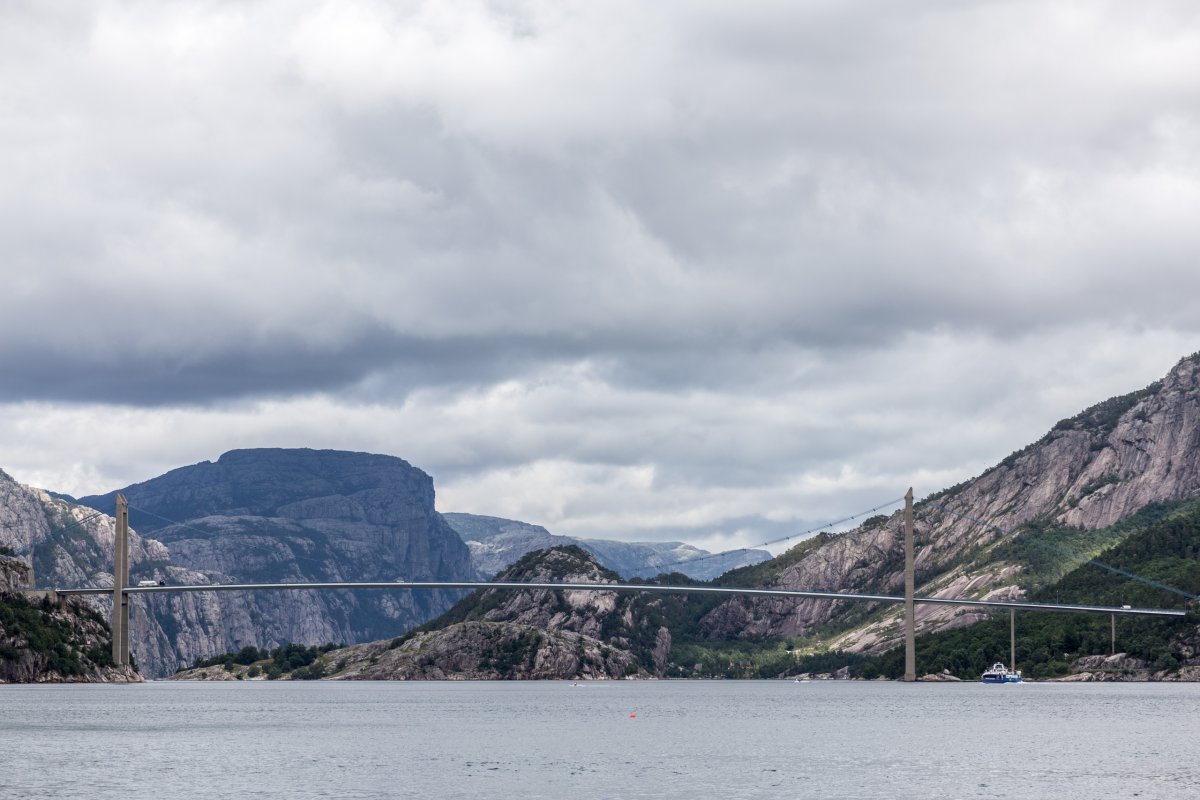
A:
x,y
466,651
1122,668
44,639
414,661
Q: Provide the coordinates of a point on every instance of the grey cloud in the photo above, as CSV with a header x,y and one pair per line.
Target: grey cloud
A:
x,y
746,248
583,456
816,181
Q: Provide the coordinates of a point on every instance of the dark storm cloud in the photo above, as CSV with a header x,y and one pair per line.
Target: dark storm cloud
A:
x,y
476,193
263,369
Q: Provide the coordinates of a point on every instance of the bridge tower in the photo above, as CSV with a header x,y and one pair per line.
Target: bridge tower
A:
x,y
120,609
910,579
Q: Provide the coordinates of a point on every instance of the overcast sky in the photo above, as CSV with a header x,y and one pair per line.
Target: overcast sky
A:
x,y
704,270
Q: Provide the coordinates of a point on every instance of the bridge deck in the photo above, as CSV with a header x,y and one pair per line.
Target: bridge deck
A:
x,y
634,587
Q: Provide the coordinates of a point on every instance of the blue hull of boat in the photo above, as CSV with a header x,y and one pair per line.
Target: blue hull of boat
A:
x,y
1000,674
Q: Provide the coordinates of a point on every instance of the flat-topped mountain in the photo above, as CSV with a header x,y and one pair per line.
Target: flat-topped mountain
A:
x,y
285,484
299,515
286,516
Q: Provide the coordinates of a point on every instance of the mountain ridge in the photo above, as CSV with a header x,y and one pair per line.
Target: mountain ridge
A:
x,y
496,543
1088,472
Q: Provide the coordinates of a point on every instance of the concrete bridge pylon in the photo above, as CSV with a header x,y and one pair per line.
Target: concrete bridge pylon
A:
x,y
120,609
910,580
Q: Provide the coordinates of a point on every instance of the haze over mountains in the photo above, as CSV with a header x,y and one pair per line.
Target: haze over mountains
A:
x,y
496,543
303,515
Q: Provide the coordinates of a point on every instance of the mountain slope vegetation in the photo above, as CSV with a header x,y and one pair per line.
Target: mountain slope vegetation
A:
x,y
1161,545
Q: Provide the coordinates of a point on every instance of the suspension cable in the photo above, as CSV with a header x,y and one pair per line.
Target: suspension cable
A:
x,y
169,520
55,528
781,539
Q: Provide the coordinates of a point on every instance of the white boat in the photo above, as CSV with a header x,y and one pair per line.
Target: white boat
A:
x,y
1001,674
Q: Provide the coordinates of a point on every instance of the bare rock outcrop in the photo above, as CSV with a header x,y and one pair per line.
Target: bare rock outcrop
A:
x,y
548,609
535,633
14,575
486,651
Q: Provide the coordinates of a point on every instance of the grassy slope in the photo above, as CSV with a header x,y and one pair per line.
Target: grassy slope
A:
x,y
1161,543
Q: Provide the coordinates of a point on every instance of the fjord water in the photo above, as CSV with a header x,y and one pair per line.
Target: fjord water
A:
x,y
680,739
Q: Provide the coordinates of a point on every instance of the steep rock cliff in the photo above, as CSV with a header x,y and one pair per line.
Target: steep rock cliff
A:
x,y
300,516
1087,473
258,515
67,545
14,575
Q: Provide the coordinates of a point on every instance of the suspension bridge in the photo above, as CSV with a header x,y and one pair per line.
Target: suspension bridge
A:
x,y
121,592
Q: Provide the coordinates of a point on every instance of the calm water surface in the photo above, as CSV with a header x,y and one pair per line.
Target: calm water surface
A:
x,y
702,739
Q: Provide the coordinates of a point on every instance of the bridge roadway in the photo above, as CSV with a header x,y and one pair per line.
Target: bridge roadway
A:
x,y
642,587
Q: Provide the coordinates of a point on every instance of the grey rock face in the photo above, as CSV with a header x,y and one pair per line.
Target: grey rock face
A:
x,y
1089,472
496,543
662,650
22,516
14,575
647,559
547,609
1119,662
301,516
72,546
289,515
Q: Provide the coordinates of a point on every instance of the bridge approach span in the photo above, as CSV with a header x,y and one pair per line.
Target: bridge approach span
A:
x,y
644,587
